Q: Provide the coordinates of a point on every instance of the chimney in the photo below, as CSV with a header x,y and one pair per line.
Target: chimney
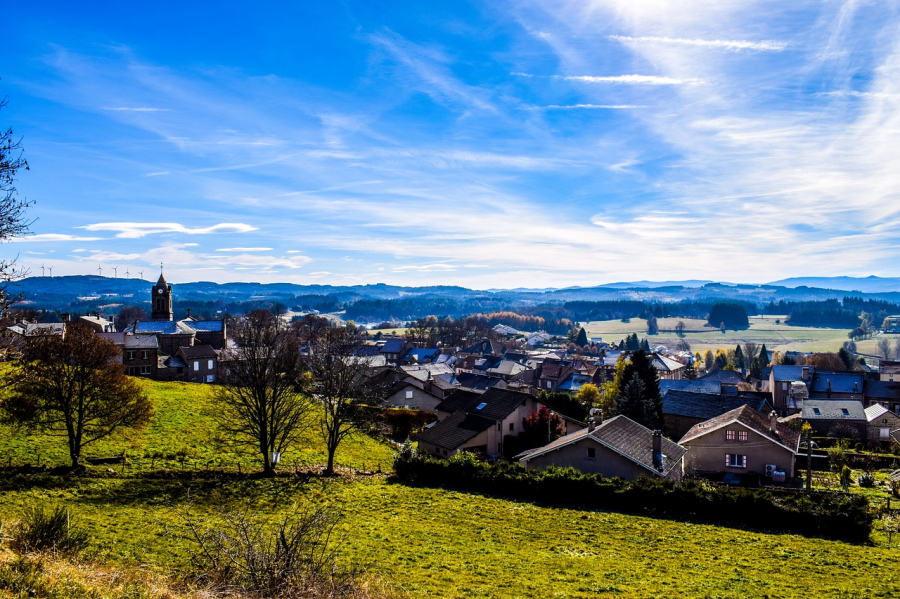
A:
x,y
773,422
829,388
189,313
591,425
804,374
856,387
657,450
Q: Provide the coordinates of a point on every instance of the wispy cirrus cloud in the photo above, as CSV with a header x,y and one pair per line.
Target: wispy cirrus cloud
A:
x,y
134,109
132,230
589,106
51,237
731,45
621,79
244,249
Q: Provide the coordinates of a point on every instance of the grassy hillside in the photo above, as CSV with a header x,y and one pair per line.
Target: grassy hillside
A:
x,y
432,542
183,434
763,329
426,542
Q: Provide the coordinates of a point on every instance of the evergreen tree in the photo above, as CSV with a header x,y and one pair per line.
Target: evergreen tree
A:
x,y
690,373
739,358
763,357
645,345
581,339
647,409
846,358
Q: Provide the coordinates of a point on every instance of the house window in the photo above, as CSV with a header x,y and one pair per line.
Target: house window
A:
x,y
885,433
784,386
733,460
145,370
145,354
845,411
591,453
548,384
196,365
817,412
409,395
130,355
729,435
512,426
210,378
742,435
209,364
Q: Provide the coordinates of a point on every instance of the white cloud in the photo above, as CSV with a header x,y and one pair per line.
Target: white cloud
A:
x,y
127,230
732,45
134,109
591,106
51,237
246,250
631,79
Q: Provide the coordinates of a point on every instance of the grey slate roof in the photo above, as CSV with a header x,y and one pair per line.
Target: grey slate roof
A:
x,y
198,351
833,409
477,382
141,342
791,373
624,436
209,326
883,390
731,377
455,430
705,405
164,327
840,382
697,386
392,346
459,400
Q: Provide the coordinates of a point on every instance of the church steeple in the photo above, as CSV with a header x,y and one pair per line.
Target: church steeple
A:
x,y
161,299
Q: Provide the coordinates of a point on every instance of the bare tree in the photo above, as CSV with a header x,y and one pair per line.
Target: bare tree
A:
x,y
751,351
263,406
71,386
884,347
342,383
12,209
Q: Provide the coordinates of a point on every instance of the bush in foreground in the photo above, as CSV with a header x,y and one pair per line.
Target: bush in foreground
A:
x,y
829,515
47,530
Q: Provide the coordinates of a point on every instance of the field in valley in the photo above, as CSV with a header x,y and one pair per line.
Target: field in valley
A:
x,y
770,330
428,542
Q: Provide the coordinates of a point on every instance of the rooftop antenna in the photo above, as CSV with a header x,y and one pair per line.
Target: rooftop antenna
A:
x,y
100,270
42,270
115,272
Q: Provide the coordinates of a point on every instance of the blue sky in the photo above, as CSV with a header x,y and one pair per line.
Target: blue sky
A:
x,y
483,144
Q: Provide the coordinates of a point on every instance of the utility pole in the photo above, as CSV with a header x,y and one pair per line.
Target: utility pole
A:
x,y
809,444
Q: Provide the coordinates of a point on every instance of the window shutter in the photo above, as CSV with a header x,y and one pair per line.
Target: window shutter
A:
x,y
727,460
744,460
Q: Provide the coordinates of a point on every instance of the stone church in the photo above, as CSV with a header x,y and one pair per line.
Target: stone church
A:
x,y
186,350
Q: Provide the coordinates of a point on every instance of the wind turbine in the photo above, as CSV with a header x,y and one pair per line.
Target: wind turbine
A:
x,y
100,270
42,270
126,273
50,268
141,273
115,272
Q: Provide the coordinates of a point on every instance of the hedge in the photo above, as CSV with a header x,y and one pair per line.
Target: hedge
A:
x,y
827,515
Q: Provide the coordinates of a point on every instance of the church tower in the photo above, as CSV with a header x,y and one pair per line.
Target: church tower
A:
x,y
161,300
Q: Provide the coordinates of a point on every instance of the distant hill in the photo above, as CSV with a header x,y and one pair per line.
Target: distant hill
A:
x,y
871,284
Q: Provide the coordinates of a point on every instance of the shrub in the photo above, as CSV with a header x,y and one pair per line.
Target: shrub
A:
x,y
294,557
45,530
828,515
866,479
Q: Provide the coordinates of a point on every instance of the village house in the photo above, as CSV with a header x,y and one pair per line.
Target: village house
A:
x,y
836,417
617,447
881,422
200,362
479,422
742,441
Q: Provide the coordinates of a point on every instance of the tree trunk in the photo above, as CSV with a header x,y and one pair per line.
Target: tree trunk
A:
x,y
329,469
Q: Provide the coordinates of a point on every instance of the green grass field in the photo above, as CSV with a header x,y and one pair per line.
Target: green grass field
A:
x,y
182,434
763,329
431,542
